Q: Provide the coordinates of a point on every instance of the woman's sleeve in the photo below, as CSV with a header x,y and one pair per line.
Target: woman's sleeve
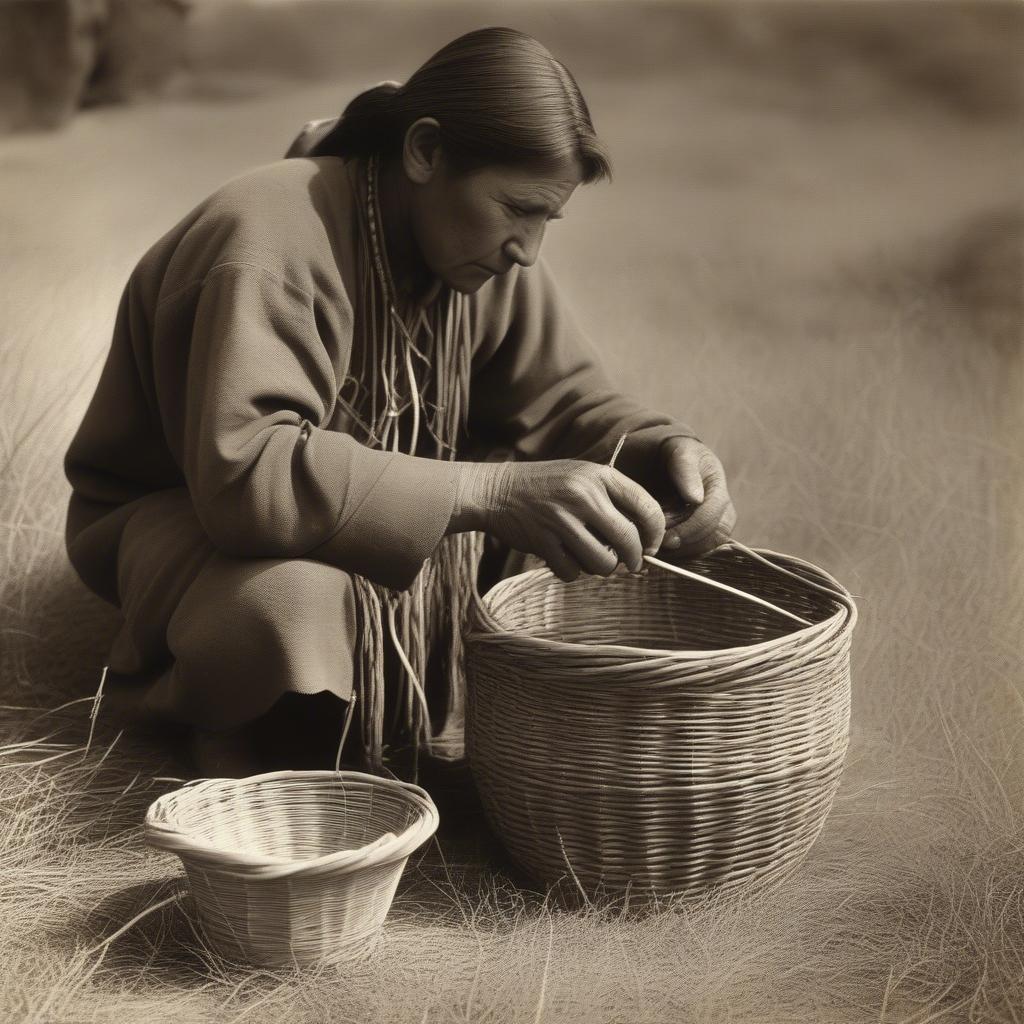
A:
x,y
540,387
266,478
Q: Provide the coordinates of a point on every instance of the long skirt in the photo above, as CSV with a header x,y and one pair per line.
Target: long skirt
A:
x,y
214,641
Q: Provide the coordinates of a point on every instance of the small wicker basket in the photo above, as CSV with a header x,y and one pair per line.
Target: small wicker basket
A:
x,y
650,733
293,867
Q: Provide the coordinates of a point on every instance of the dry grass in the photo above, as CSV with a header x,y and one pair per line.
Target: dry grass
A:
x,y
908,909
835,303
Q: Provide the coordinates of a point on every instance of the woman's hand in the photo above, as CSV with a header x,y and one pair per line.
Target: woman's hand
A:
x,y
577,516
700,515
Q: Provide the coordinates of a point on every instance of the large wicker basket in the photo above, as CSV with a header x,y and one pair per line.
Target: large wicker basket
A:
x,y
650,733
293,867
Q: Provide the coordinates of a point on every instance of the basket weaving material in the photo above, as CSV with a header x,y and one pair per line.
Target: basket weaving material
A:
x,y
652,733
293,867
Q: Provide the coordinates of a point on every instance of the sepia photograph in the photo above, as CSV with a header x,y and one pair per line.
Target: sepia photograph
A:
x,y
512,512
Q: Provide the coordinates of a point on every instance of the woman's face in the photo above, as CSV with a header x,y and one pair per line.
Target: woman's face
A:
x,y
471,226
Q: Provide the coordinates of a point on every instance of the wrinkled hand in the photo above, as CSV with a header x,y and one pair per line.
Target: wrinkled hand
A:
x,y
577,516
700,514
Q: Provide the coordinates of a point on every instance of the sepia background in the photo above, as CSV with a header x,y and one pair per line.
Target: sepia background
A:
x,y
811,251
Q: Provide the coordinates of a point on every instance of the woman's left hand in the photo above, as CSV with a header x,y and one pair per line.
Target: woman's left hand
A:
x,y
700,514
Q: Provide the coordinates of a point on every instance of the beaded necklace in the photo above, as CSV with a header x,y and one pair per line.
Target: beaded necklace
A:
x,y
387,285
438,399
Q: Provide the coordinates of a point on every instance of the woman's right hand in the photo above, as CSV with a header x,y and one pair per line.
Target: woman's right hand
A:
x,y
577,516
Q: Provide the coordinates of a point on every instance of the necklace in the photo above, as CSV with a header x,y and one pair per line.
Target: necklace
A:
x,y
380,260
383,272
385,385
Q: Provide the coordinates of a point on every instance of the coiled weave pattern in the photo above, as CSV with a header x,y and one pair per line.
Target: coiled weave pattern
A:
x,y
651,733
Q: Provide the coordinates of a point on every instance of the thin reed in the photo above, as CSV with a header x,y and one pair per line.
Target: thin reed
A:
x,y
293,867
651,733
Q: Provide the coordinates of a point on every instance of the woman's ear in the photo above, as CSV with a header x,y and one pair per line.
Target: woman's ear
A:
x,y
421,152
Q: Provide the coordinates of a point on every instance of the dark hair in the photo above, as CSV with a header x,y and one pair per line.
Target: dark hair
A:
x,y
499,97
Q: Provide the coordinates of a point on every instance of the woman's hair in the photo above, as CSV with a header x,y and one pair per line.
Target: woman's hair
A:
x,y
499,97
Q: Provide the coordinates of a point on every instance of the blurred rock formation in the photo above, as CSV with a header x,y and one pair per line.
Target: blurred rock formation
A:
x,y
59,55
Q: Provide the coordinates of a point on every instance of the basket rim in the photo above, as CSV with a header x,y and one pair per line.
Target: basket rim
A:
x,y
845,617
163,832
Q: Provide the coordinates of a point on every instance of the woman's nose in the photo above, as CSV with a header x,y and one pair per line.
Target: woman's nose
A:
x,y
525,248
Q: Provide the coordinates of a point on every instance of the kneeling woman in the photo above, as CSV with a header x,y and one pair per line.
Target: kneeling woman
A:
x,y
296,442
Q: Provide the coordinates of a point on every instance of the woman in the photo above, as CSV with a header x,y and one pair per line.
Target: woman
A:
x,y
295,442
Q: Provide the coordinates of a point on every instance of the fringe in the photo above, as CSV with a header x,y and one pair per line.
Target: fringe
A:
x,y
393,407
430,616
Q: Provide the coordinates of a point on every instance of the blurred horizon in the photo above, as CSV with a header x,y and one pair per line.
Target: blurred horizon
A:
x,y
960,54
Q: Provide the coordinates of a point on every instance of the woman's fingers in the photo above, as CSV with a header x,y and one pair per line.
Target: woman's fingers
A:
x,y
728,523
576,515
613,530
600,532
624,517
642,511
566,568
585,547
684,469
710,541
707,518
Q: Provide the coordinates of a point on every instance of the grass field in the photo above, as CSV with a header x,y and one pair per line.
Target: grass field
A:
x,y
812,252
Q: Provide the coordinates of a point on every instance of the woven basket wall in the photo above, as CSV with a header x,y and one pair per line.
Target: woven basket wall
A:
x,y
652,733
293,867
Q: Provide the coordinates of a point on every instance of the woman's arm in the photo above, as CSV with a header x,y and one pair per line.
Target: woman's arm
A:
x,y
539,385
266,477
540,388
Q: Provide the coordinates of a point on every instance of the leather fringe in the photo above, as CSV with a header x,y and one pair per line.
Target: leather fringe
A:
x,y
395,407
428,617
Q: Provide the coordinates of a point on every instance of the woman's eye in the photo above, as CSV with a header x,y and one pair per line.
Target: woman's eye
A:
x,y
518,211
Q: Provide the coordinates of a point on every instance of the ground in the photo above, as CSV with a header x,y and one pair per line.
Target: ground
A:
x,y
811,251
